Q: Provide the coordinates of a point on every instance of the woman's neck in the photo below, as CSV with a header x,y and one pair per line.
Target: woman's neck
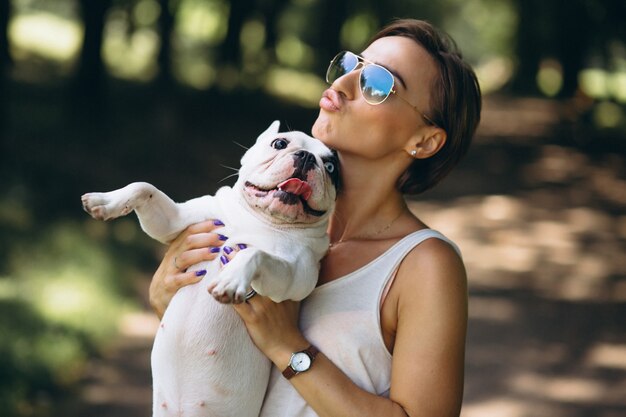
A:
x,y
368,204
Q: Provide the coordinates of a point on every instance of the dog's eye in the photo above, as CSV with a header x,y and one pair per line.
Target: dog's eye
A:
x,y
279,143
329,166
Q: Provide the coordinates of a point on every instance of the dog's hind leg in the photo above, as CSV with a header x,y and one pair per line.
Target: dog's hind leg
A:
x,y
160,217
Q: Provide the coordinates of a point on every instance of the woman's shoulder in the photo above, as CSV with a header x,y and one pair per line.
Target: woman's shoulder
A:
x,y
433,265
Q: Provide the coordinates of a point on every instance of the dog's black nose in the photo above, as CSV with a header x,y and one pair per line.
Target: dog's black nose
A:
x,y
303,161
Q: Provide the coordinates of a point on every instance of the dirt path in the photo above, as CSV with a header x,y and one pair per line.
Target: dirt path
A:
x,y
119,384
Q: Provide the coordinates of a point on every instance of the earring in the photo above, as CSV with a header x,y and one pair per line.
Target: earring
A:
x,y
413,152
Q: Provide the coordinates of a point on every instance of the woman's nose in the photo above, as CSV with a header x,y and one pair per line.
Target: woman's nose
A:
x,y
348,84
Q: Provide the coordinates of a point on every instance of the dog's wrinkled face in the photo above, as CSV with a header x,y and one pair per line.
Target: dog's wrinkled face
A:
x,y
289,177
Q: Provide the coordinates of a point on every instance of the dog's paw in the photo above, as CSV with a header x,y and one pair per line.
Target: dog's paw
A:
x,y
228,288
106,206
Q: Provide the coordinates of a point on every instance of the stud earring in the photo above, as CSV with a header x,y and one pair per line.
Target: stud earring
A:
x,y
413,152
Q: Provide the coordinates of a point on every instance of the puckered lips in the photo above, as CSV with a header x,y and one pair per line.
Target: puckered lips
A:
x,y
289,192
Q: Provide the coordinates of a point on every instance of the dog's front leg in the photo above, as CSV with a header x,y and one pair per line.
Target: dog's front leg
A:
x,y
252,268
160,217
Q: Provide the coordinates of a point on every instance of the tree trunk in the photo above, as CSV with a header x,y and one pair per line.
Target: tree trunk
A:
x,y
90,76
572,40
230,51
5,14
5,63
334,14
527,46
166,26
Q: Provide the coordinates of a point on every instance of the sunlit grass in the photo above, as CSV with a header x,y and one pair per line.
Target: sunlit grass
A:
x,y
70,280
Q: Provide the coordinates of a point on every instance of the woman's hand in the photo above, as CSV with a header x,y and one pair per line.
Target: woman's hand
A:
x,y
273,327
199,242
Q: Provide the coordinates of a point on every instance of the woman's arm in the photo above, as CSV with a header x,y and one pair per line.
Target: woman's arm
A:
x,y
191,247
430,299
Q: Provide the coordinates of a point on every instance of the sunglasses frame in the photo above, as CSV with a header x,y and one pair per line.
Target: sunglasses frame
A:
x,y
365,63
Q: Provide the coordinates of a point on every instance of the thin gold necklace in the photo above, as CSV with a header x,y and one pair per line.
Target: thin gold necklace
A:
x,y
369,235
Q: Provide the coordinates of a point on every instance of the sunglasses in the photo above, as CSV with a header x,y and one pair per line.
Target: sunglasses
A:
x,y
375,81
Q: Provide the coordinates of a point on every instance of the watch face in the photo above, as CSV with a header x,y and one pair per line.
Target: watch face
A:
x,y
300,362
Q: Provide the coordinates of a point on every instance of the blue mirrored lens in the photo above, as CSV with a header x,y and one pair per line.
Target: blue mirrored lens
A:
x,y
342,64
376,84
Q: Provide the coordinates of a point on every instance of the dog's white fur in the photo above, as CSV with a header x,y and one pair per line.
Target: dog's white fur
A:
x,y
203,361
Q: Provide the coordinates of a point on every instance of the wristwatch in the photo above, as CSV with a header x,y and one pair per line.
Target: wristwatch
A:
x,y
300,362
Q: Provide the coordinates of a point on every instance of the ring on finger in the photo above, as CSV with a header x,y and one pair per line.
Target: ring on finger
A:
x,y
175,265
250,294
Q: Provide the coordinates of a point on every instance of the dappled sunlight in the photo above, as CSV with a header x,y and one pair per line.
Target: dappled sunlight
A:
x,y
568,389
203,21
356,30
493,73
293,52
45,34
195,73
131,57
550,77
70,282
295,86
601,84
493,309
530,118
512,242
139,325
496,408
607,356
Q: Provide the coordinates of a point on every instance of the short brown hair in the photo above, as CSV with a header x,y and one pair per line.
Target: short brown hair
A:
x,y
455,103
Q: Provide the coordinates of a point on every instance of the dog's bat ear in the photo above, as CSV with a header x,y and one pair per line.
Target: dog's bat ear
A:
x,y
273,129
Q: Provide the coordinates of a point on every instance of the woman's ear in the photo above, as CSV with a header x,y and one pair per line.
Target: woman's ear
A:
x,y
426,142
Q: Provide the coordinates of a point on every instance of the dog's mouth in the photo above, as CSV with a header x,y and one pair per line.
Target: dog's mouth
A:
x,y
290,192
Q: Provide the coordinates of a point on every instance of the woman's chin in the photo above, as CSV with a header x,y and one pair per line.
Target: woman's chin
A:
x,y
323,130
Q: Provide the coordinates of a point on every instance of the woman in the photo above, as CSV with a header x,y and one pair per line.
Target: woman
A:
x,y
389,314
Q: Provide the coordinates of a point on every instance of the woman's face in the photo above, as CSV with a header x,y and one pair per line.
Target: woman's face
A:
x,y
349,124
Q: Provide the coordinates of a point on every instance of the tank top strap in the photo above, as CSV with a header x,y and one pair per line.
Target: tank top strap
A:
x,y
399,251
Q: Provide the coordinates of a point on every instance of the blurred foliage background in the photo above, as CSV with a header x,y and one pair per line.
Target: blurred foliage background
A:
x,y
98,93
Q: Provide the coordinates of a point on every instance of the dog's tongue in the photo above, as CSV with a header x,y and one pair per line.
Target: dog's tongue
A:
x,y
297,187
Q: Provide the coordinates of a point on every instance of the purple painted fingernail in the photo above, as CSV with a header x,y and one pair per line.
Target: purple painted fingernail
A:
x,y
224,259
241,246
228,250
201,272
218,222
214,250
222,237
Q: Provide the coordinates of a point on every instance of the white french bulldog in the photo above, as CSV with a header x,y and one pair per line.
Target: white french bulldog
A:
x,y
203,360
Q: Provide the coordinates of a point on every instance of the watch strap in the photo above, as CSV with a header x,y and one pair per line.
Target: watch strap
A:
x,y
311,352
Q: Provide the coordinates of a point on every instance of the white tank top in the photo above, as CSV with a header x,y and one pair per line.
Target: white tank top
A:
x,y
342,319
